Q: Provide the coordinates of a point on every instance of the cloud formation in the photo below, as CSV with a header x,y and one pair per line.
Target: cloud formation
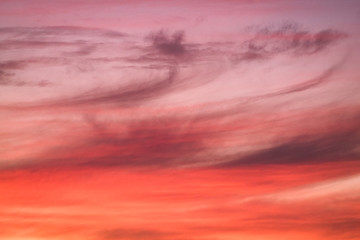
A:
x,y
56,31
332,147
134,234
288,38
206,133
170,44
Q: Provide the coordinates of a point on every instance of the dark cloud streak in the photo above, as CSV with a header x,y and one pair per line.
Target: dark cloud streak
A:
x,y
53,31
122,233
304,150
288,38
129,95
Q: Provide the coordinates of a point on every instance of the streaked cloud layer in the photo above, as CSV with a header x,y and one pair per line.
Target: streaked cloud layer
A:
x,y
179,120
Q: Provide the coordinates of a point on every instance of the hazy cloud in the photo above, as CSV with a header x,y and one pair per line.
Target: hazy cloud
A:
x,y
122,234
308,149
54,31
168,44
128,95
289,37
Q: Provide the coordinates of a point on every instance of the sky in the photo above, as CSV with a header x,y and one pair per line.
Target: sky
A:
x,y
179,120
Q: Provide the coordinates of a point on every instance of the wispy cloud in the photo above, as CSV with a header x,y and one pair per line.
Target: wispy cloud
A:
x,y
187,129
56,31
135,234
288,38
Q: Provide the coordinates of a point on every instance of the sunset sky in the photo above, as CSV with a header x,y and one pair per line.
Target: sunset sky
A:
x,y
179,120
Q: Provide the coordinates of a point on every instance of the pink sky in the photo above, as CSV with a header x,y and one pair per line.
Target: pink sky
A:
x,y
179,120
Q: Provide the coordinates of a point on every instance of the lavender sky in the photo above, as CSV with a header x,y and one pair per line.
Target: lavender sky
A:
x,y
209,120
